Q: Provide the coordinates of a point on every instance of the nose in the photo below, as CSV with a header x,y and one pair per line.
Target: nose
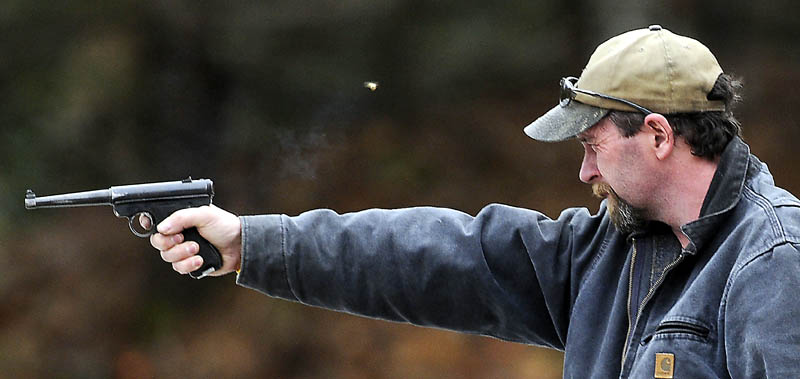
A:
x,y
589,172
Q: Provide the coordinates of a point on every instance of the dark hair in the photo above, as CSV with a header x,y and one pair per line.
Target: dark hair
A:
x,y
707,133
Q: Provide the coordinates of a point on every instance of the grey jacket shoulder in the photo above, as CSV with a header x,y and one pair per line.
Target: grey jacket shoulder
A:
x,y
785,204
760,315
770,210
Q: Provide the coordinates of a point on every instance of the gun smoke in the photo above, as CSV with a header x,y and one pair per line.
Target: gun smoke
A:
x,y
302,149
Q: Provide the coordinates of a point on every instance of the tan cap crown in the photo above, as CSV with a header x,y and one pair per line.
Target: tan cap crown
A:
x,y
654,68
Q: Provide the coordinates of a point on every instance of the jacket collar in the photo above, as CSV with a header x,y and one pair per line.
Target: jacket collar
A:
x,y
722,196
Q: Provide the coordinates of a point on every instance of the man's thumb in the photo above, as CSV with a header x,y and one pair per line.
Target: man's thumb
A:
x,y
184,219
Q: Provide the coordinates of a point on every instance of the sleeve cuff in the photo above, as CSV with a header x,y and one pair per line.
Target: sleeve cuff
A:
x,y
263,264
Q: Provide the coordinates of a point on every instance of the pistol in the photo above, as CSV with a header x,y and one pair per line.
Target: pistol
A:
x,y
155,201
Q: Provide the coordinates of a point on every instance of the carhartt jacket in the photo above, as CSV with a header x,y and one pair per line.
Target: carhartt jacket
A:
x,y
639,305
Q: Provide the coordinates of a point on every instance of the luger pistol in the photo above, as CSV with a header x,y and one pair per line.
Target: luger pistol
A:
x,y
154,201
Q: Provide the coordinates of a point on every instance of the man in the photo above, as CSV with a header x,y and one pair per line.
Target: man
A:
x,y
689,269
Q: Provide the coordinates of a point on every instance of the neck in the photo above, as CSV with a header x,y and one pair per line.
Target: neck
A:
x,y
683,198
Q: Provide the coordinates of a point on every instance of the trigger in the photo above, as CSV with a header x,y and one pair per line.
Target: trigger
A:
x,y
135,223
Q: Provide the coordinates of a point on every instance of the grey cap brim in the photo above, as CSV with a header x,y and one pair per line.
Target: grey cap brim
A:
x,y
561,123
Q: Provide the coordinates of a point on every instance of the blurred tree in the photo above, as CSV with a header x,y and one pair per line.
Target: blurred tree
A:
x,y
267,99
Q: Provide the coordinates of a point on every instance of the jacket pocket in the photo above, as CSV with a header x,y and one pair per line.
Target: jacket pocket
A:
x,y
668,328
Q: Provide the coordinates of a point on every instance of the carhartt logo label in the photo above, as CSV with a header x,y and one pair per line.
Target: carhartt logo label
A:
x,y
665,365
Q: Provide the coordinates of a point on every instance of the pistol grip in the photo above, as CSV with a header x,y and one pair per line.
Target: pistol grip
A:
x,y
212,260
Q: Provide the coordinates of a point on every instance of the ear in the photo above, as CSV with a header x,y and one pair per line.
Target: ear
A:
x,y
663,139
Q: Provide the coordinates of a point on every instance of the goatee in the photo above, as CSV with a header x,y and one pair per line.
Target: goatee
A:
x,y
625,217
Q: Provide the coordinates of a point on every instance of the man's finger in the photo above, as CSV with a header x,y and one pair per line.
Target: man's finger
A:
x,y
180,252
163,243
188,265
145,221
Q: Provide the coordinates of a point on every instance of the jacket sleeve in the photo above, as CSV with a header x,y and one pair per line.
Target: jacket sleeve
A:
x,y
762,335
506,272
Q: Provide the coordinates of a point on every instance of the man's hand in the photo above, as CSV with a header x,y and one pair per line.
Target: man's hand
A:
x,y
221,228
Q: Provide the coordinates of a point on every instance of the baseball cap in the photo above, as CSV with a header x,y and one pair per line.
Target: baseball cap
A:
x,y
652,68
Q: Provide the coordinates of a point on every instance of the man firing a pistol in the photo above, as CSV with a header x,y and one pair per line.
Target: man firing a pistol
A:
x,y
688,269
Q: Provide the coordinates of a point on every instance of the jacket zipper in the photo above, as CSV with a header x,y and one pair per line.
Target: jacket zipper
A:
x,y
630,293
646,298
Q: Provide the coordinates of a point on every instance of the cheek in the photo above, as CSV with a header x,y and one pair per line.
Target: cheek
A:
x,y
617,173
631,178
607,167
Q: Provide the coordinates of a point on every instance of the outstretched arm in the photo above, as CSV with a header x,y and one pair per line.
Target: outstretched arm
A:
x,y
505,272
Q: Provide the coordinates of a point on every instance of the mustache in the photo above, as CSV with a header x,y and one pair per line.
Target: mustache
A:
x,y
603,190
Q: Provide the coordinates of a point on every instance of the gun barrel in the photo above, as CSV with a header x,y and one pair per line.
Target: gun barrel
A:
x,y
165,190
125,198
76,199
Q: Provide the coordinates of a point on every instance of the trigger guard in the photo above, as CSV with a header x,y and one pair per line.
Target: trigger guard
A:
x,y
138,233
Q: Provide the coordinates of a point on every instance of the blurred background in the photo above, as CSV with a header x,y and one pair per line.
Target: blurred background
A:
x,y
267,99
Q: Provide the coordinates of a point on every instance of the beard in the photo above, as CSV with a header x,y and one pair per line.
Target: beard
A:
x,y
625,217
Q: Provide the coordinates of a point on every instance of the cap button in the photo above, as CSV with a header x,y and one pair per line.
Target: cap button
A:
x,y
654,28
